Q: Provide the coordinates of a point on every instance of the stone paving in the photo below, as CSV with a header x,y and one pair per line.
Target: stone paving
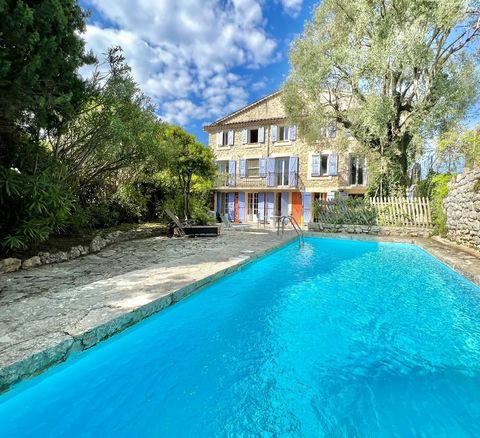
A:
x,y
52,311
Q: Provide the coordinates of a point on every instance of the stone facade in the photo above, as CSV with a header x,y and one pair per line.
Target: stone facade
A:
x,y
268,114
462,206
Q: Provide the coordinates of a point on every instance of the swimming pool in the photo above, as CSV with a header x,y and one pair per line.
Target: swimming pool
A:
x,y
338,338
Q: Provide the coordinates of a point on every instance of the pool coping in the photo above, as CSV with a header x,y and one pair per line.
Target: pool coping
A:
x,y
39,362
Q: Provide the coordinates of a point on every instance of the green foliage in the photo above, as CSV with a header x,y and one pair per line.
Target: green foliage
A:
x,y
458,144
391,73
352,211
436,187
39,85
37,206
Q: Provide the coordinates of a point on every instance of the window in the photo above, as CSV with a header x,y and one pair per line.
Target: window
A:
x,y
357,168
222,167
253,167
253,136
283,132
282,170
223,208
323,165
224,138
252,204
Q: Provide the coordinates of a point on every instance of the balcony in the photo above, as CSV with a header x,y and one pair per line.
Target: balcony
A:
x,y
272,180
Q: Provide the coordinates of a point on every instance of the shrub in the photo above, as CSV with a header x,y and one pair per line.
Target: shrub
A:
x,y
439,190
354,211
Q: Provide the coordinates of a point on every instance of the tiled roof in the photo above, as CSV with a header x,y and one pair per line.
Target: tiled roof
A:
x,y
241,110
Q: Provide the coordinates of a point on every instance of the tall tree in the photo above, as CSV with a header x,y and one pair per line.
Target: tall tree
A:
x,y
40,53
392,72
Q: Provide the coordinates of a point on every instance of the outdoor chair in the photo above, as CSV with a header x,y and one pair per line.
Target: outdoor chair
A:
x,y
176,221
230,226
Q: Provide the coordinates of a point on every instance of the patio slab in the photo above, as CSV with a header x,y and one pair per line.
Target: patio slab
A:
x,y
52,311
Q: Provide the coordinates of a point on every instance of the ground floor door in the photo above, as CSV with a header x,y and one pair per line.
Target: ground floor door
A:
x,y
252,207
297,206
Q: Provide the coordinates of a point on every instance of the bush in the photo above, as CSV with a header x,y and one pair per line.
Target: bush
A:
x,y
33,206
351,211
439,190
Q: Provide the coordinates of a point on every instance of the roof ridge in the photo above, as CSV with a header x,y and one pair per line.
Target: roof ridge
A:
x,y
244,108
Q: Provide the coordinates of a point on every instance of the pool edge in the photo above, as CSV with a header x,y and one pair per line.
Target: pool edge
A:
x,y
38,363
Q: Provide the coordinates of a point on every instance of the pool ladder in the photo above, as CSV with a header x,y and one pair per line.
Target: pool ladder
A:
x,y
289,218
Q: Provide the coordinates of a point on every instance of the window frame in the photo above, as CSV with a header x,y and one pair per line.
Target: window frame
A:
x,y
284,129
248,161
250,135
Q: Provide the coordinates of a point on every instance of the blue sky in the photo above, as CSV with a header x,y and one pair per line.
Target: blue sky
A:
x,y
200,59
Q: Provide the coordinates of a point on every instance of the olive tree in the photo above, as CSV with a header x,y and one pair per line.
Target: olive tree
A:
x,y
391,72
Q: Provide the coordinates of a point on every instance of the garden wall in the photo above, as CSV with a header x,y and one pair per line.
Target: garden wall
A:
x,y
462,206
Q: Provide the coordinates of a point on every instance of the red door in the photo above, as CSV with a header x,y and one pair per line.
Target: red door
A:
x,y
235,208
297,206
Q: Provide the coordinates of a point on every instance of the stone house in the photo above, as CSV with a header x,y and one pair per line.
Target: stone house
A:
x,y
267,169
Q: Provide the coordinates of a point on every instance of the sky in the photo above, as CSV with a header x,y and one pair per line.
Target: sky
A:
x,y
200,60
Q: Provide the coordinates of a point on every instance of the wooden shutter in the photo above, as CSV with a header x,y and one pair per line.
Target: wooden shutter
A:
x,y
244,136
293,132
241,168
219,138
273,133
333,164
231,136
261,134
315,171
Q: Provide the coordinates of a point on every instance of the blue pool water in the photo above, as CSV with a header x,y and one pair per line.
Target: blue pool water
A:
x,y
338,338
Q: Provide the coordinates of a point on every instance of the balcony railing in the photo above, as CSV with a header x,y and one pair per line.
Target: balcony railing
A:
x,y
272,180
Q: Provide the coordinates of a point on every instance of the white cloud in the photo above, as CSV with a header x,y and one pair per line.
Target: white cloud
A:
x,y
182,52
292,7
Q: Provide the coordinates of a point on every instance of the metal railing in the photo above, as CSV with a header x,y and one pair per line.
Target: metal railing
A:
x,y
272,179
298,229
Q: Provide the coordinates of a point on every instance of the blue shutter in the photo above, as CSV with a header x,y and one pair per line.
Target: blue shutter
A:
x,y
333,165
219,202
292,171
270,206
231,206
231,173
261,206
231,136
293,132
330,196
315,165
244,136
270,172
284,203
241,168
262,164
273,133
261,134
241,206
306,206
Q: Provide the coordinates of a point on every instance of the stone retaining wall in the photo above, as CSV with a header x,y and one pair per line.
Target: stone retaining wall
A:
x,y
462,206
99,242
370,229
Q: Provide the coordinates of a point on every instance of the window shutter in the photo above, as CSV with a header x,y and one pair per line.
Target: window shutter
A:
x,y
219,138
273,133
270,172
293,132
333,164
270,205
262,167
330,196
306,206
315,165
261,134
241,168
230,138
241,206
231,173
292,171
244,136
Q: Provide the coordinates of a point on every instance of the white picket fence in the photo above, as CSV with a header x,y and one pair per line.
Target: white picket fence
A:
x,y
402,212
